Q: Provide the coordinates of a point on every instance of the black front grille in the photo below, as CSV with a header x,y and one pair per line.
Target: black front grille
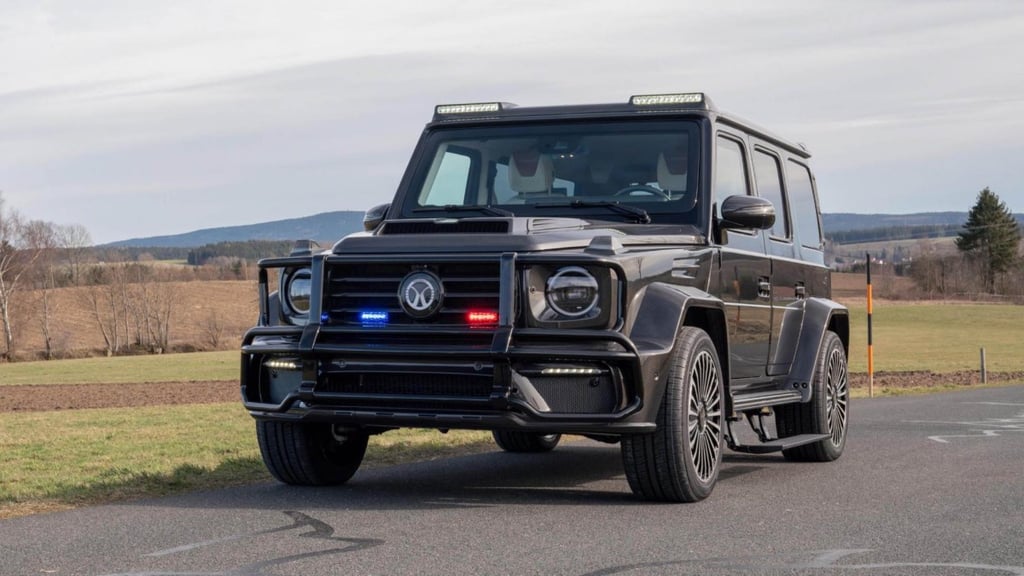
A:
x,y
355,287
450,385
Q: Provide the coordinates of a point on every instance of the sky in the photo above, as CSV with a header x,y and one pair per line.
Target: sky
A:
x,y
139,118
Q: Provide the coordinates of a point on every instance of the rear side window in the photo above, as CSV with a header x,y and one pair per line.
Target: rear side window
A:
x,y
805,204
768,174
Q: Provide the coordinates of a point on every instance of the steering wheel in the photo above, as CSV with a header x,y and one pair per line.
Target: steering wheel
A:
x,y
644,188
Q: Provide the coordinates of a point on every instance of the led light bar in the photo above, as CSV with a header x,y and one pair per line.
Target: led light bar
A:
x,y
475,108
374,317
278,364
667,99
478,317
571,371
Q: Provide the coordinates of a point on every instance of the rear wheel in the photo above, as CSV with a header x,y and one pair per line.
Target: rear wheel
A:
x,y
680,461
826,413
307,454
514,441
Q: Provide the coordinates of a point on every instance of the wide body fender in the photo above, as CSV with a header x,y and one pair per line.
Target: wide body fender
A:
x,y
661,311
820,315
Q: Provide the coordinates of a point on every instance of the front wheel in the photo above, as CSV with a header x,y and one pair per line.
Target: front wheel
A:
x,y
309,454
828,411
514,441
680,461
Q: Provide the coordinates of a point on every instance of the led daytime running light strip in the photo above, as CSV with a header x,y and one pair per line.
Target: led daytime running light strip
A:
x,y
571,371
283,364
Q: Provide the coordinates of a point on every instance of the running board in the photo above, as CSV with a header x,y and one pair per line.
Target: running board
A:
x,y
742,402
780,444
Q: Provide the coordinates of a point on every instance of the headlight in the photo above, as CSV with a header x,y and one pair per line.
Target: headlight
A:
x,y
572,292
298,289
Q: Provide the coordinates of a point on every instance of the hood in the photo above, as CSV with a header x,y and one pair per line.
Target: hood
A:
x,y
513,235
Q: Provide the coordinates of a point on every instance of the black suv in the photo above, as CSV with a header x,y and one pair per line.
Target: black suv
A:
x,y
649,272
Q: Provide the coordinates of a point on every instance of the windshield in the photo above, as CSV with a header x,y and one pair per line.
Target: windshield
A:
x,y
591,170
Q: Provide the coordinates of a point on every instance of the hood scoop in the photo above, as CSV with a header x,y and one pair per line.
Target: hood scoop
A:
x,y
447,226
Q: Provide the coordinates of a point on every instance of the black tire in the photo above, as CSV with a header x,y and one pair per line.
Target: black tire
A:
x,y
680,461
307,454
826,413
513,441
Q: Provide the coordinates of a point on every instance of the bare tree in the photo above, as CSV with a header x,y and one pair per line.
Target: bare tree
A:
x,y
74,241
102,299
21,244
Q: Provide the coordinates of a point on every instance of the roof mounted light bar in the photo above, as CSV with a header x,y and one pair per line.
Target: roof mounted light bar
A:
x,y
471,109
690,98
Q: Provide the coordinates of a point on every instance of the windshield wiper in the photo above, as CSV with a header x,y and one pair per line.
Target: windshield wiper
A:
x,y
641,215
489,210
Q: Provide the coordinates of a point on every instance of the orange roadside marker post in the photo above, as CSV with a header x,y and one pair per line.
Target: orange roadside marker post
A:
x,y
871,348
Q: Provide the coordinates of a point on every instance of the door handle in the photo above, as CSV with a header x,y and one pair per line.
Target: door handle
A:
x,y
801,291
764,287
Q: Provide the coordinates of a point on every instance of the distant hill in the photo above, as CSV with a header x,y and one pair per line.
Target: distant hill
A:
x,y
844,221
845,228
330,226
326,226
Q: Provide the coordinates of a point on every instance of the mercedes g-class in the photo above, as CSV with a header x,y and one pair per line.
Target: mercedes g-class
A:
x,y
650,273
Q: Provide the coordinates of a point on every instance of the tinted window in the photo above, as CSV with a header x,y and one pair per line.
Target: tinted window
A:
x,y
805,206
768,174
562,169
449,183
730,171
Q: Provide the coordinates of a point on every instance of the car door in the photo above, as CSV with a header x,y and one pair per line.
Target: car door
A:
x,y
788,282
745,272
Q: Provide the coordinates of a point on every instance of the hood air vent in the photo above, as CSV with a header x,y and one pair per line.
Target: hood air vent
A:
x,y
474,226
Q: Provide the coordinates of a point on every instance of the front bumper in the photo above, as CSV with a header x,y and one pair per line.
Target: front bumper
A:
x,y
565,381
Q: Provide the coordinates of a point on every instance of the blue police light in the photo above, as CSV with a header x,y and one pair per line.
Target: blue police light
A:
x,y
325,318
373,318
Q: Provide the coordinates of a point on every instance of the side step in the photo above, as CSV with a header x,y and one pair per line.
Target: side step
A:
x,y
742,402
780,444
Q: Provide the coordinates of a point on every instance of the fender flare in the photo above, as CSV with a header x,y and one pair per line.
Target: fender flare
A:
x,y
662,310
820,315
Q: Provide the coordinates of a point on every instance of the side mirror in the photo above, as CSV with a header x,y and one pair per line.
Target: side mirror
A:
x,y
374,216
748,212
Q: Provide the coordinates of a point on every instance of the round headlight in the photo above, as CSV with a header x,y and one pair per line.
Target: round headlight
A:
x,y
572,291
299,289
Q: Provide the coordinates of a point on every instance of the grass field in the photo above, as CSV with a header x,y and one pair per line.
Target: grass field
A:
x,y
941,337
195,367
55,460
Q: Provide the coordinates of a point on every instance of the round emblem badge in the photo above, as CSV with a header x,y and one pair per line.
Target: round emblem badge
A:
x,y
420,294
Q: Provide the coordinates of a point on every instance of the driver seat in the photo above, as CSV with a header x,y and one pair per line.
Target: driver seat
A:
x,y
672,177
530,174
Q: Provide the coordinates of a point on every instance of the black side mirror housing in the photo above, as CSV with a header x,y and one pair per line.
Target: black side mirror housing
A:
x,y
749,212
374,216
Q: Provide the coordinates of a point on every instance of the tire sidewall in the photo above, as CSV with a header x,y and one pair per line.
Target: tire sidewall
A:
x,y
692,343
830,344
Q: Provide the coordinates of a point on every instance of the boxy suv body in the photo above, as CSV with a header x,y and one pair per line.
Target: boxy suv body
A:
x,y
650,273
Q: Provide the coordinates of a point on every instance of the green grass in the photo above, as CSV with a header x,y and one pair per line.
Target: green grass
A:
x,y
940,337
54,460
197,366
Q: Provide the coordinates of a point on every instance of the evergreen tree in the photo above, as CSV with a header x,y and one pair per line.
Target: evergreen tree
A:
x,y
990,234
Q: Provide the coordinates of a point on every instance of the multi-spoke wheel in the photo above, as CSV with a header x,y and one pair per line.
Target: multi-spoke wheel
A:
x,y
679,462
827,412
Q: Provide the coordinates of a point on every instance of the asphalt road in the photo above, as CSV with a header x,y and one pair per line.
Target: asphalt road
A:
x,y
928,485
